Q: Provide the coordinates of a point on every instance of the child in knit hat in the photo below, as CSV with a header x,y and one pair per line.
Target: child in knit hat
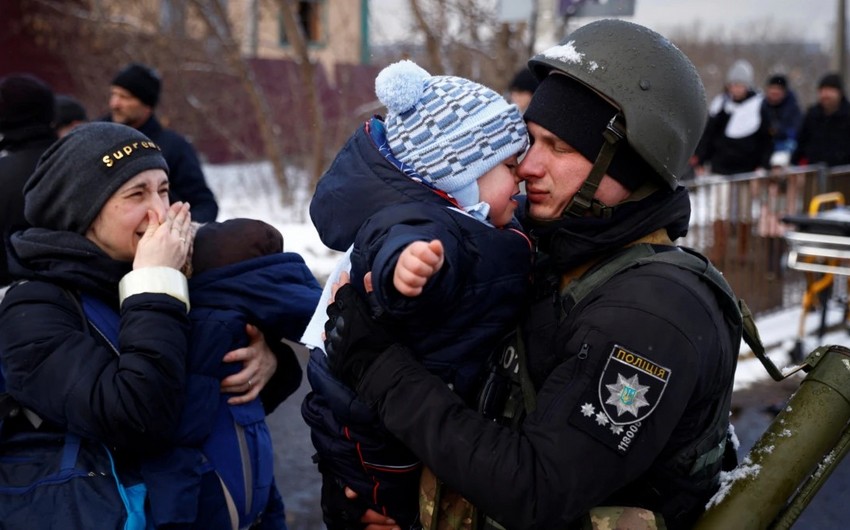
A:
x,y
423,202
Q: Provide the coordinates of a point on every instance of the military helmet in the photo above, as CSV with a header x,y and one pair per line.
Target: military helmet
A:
x,y
655,86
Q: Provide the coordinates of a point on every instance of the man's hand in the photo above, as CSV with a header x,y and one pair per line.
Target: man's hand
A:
x,y
417,263
353,339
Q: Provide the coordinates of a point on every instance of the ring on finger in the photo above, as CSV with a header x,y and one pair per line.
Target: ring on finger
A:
x,y
250,383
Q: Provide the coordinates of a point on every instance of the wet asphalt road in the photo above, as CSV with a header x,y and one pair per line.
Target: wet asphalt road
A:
x,y
295,473
300,485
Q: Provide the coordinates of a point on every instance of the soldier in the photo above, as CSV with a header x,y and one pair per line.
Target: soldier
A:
x,y
616,389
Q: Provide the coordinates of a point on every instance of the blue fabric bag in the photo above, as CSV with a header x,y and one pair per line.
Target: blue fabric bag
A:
x,y
56,480
60,480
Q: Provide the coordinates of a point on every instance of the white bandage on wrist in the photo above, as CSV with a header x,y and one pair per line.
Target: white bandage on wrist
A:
x,y
163,280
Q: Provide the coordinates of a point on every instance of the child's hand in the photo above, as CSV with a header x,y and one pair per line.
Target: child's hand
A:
x,y
418,262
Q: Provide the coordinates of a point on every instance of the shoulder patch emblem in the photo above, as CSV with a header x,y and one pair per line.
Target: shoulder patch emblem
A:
x,y
630,386
628,390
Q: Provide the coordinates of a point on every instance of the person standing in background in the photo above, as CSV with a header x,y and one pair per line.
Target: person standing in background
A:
x,y
26,126
825,134
69,114
133,96
522,87
784,118
736,138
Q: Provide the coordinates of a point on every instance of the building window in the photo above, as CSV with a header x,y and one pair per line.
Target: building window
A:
x,y
311,17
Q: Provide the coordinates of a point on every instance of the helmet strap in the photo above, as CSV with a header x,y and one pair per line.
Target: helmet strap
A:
x,y
583,200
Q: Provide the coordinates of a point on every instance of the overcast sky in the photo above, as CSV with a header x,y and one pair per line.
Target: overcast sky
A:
x,y
811,20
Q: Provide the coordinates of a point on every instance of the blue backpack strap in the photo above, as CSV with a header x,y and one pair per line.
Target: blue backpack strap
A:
x,y
103,319
107,323
70,451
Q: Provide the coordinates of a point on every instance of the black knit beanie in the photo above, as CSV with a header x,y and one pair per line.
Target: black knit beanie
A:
x,y
77,174
69,110
24,100
778,80
832,80
142,81
524,81
578,116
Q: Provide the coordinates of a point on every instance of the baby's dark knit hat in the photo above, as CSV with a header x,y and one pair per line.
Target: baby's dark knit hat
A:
x,y
225,243
77,174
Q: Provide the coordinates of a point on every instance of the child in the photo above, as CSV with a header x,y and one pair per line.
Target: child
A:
x,y
423,202
240,275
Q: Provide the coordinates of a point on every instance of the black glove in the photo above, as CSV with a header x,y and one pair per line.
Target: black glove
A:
x,y
353,339
338,511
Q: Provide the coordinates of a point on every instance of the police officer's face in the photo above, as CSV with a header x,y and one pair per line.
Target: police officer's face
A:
x,y
554,171
127,108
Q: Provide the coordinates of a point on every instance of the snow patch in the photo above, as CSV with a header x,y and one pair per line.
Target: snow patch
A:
x,y
728,478
569,54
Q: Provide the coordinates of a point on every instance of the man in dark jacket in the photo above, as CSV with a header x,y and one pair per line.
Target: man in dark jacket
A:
x,y
623,378
133,97
784,118
825,134
26,116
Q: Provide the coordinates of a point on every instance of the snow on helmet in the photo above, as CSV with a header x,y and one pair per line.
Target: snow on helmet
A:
x,y
655,86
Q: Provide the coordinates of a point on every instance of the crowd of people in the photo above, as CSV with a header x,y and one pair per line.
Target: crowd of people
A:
x,y
759,130
481,357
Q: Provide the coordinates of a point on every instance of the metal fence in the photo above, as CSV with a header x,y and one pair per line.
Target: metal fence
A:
x,y
736,221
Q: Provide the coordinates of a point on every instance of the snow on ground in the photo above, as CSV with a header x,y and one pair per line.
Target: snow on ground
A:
x,y
248,190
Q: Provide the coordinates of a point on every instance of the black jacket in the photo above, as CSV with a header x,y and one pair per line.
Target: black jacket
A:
x,y
185,176
651,344
70,376
824,138
20,150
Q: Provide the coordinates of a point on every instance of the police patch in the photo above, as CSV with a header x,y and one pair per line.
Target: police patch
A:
x,y
630,386
629,389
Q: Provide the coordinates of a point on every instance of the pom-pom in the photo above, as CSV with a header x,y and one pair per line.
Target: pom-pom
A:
x,y
400,85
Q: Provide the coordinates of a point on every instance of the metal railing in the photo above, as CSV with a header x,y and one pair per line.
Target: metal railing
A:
x,y
736,221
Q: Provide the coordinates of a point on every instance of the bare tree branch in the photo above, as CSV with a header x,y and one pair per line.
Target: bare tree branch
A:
x,y
298,40
216,19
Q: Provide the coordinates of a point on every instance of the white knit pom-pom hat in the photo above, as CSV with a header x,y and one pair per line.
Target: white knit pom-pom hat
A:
x,y
449,129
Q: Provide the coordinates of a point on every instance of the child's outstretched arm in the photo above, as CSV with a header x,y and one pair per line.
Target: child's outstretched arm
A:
x,y
418,261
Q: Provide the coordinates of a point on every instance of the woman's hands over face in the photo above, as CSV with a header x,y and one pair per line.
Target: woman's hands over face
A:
x,y
166,242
